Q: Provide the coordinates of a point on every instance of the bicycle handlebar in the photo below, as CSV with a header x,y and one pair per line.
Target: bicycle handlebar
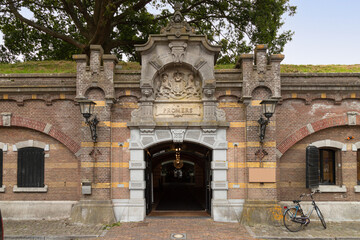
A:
x,y
309,194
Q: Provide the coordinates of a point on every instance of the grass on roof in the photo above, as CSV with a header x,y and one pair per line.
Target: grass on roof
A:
x,y
286,68
70,67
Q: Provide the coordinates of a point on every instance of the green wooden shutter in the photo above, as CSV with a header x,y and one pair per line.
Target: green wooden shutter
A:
x,y
312,167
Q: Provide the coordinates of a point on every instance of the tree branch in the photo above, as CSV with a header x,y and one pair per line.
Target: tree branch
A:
x,y
117,43
142,3
69,8
44,29
83,9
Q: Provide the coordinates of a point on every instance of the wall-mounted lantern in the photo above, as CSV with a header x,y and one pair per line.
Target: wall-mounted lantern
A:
x,y
268,109
87,110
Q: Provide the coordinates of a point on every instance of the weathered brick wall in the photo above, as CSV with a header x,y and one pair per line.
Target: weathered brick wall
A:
x,y
61,167
293,168
47,105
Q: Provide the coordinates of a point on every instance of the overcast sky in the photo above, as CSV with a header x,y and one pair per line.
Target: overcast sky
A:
x,y
326,32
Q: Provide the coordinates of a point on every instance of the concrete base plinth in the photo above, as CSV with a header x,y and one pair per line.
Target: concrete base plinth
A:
x,y
333,211
36,210
129,210
227,210
93,212
261,212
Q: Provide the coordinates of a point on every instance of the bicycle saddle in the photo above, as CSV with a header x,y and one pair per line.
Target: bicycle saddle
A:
x,y
296,201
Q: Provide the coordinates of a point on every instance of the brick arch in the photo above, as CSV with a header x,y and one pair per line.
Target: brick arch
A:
x,y
311,128
266,87
47,129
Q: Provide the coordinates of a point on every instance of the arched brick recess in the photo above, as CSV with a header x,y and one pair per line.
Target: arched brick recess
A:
x,y
47,129
310,129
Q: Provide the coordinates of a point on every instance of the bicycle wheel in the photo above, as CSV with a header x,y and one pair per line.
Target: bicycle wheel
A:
x,y
290,222
320,216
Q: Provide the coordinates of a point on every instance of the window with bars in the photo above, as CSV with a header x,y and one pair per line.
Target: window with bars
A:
x,y
31,167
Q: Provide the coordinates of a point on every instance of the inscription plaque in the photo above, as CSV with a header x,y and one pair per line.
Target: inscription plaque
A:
x,y
178,110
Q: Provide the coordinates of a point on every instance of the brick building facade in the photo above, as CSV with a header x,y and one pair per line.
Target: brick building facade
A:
x,y
177,101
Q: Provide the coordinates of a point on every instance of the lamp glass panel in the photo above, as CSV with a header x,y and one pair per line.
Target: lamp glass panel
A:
x,y
84,107
269,108
87,107
92,107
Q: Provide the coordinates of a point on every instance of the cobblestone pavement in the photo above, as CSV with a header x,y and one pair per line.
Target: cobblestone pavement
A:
x,y
44,229
344,230
166,228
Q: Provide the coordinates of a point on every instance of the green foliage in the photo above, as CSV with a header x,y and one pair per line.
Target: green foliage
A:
x,y
70,67
58,29
108,226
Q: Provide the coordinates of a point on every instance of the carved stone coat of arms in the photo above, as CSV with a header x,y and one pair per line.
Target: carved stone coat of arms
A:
x,y
178,85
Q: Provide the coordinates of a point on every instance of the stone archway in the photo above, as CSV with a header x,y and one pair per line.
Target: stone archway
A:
x,y
134,209
183,188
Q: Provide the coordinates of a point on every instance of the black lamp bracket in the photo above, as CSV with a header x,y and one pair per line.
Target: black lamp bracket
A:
x,y
263,122
92,123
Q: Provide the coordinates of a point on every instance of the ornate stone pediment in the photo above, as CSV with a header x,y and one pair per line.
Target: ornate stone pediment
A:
x,y
177,77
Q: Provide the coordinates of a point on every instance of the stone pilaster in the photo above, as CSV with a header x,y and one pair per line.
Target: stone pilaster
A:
x,y
96,82
261,80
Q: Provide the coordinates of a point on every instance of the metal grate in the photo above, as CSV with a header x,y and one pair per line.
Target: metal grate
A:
x,y
31,167
178,236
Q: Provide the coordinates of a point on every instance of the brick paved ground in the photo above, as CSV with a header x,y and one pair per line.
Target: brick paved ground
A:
x,y
345,230
41,229
162,228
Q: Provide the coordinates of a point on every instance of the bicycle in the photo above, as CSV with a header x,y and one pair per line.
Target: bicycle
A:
x,y
294,217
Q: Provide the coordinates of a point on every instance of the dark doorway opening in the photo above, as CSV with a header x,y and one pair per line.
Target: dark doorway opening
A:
x,y
178,178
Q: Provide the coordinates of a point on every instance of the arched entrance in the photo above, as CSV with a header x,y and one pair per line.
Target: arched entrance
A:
x,y
144,139
178,179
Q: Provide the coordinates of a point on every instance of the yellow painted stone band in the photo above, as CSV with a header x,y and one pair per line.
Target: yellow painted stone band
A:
x,y
237,124
230,105
104,144
116,184
48,165
109,124
252,164
122,105
252,185
250,144
292,184
108,185
249,123
256,102
99,103
63,184
256,124
100,185
105,164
